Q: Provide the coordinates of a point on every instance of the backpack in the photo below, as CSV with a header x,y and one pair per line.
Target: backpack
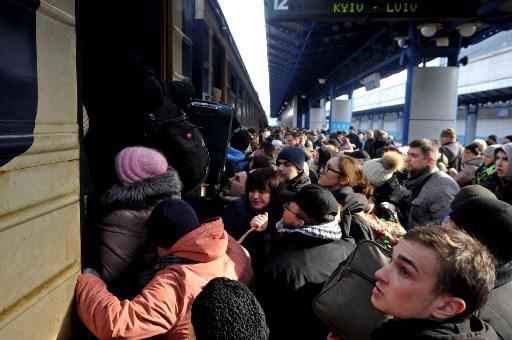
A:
x,y
454,160
169,130
344,302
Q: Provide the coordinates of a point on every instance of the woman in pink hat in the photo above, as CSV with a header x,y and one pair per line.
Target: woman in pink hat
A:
x,y
125,257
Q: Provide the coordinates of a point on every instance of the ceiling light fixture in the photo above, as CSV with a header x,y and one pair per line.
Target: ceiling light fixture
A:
x,y
468,29
429,30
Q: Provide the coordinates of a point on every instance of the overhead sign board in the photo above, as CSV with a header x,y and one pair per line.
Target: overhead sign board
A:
x,y
289,10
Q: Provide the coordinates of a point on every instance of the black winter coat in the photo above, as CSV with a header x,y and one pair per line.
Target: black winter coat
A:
x,y
287,286
473,328
498,309
297,183
126,257
499,186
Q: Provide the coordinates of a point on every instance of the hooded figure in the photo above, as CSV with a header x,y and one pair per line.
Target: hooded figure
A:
x,y
190,255
501,181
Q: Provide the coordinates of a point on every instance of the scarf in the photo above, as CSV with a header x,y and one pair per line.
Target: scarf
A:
x,y
413,181
326,231
164,261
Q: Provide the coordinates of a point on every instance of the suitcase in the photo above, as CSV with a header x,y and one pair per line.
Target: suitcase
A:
x,y
214,121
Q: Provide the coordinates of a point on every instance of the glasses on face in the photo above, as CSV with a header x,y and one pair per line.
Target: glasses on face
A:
x,y
325,168
286,206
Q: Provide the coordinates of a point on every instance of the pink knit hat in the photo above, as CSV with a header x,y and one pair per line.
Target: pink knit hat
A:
x,y
137,163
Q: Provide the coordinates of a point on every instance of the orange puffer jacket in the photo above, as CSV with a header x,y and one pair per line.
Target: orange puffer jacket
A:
x,y
164,305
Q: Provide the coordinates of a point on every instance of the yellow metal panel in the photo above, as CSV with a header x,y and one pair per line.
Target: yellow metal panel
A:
x,y
56,71
48,319
28,187
33,253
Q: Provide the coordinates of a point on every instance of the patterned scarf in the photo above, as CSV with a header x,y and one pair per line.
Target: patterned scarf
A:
x,y
327,231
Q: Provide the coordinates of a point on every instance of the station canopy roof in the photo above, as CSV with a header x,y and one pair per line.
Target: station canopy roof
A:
x,y
318,48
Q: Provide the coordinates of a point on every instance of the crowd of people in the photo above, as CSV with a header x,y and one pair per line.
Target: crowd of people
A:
x,y
293,205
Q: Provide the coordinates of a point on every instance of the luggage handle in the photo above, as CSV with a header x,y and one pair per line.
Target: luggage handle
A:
x,y
181,118
208,106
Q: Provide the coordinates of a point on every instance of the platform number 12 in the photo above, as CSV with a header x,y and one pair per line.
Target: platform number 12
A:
x,y
280,5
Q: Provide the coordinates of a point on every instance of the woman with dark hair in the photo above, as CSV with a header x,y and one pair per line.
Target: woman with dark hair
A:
x,y
322,156
261,196
343,176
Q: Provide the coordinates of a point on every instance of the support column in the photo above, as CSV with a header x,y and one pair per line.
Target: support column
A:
x,y
317,115
307,115
399,126
332,96
298,123
412,57
471,118
381,121
433,104
341,115
370,122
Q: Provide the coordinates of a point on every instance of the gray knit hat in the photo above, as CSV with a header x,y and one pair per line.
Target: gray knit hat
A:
x,y
378,171
489,151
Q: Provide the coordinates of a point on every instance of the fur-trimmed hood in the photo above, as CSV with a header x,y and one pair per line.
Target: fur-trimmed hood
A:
x,y
143,194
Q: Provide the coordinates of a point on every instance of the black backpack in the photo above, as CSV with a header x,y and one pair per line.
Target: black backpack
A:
x,y
169,130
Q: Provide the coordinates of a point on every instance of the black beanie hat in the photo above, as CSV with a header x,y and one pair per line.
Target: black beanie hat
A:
x,y
294,155
170,220
240,140
470,191
489,221
227,310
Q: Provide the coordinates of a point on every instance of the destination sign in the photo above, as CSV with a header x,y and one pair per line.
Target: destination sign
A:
x,y
377,9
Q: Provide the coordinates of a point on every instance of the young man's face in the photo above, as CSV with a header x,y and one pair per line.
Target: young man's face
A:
x,y
290,140
405,287
416,161
444,140
292,215
236,184
501,164
286,170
